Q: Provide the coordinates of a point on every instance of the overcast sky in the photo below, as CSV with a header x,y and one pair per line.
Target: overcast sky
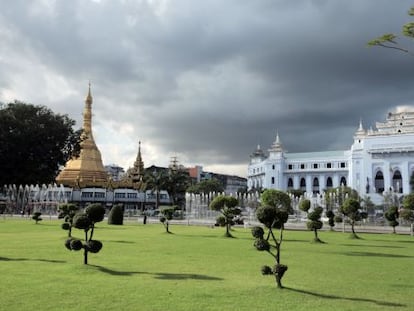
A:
x,y
207,81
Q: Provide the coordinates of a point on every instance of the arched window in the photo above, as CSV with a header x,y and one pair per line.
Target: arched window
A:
x,y
397,182
303,184
343,181
315,185
290,183
379,182
329,182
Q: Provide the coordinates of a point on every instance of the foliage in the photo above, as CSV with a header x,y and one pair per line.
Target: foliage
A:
x,y
207,186
407,212
305,205
34,143
331,218
272,214
336,196
227,206
392,215
167,213
67,211
352,209
116,215
156,181
86,221
36,217
176,185
389,40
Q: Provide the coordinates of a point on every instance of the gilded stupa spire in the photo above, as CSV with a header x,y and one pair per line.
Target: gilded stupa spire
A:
x,y
87,169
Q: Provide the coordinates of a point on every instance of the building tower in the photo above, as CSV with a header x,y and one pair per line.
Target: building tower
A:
x,y
136,173
87,169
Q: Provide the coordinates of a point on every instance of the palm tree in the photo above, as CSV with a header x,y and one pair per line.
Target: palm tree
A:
x,y
156,181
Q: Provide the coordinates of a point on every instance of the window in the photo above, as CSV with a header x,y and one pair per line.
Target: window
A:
x,y
302,166
99,194
87,194
342,164
119,195
329,182
343,181
315,165
303,184
273,167
329,165
290,167
132,195
290,183
273,180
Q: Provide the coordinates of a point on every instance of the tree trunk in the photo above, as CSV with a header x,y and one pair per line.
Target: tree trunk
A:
x,y
279,271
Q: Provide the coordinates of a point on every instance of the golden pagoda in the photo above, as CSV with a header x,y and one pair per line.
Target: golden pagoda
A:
x,y
86,169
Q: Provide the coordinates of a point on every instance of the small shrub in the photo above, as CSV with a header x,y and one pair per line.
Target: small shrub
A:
x,y
116,215
262,245
76,245
36,217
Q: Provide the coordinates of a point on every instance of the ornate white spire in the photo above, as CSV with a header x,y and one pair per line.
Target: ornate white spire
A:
x,y
277,145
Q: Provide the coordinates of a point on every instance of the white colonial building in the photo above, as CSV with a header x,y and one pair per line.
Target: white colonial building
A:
x,y
380,159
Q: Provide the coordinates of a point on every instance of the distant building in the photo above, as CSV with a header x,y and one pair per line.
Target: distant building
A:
x,y
231,183
380,159
115,172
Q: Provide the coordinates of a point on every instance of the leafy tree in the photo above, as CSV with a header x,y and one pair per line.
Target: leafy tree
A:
x,y
273,214
86,221
116,215
407,212
227,205
389,40
36,217
34,143
207,186
167,213
156,181
392,215
66,212
176,185
352,209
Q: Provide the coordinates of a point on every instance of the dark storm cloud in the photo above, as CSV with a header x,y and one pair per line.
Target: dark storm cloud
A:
x,y
209,80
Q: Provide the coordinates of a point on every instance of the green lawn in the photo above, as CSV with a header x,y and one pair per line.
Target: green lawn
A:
x,y
197,268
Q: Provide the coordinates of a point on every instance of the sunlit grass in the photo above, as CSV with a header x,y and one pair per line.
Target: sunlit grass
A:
x,y
197,268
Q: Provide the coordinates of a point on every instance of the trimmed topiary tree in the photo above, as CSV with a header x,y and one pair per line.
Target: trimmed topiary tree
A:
x,y
167,213
331,219
116,215
36,217
392,215
314,223
227,206
66,212
273,214
86,221
407,212
352,209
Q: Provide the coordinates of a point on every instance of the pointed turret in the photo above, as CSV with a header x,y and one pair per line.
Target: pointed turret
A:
x,y
136,172
277,145
87,169
361,131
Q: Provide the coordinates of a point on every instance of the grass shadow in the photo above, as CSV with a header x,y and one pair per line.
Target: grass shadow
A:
x,y
357,299
160,276
379,246
31,259
384,255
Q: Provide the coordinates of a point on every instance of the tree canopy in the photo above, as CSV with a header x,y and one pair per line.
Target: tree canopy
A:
x,y
34,142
